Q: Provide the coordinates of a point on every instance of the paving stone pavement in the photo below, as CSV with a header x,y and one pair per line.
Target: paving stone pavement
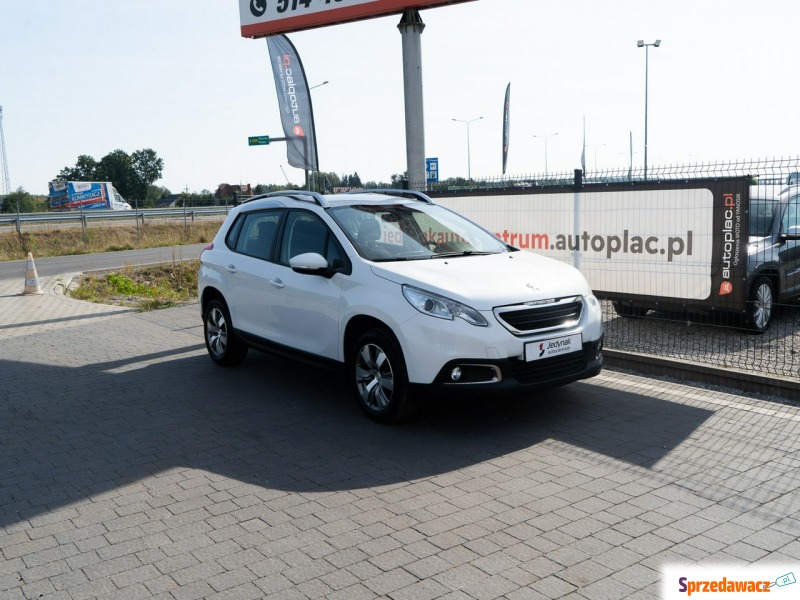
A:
x,y
132,467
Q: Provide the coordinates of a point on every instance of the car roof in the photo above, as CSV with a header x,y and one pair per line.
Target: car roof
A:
x,y
366,198
273,199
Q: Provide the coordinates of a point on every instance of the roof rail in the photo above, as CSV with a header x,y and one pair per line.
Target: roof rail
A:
x,y
304,195
413,194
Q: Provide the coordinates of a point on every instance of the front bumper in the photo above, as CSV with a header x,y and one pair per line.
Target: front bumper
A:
x,y
433,347
511,373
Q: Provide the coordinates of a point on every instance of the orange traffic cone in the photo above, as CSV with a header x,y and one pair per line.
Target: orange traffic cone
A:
x,y
31,279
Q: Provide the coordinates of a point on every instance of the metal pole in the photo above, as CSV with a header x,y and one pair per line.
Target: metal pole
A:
x,y
469,159
545,157
646,68
641,44
595,153
83,219
545,138
411,27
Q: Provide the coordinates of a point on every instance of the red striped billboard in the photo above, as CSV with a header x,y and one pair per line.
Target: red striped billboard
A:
x,y
268,17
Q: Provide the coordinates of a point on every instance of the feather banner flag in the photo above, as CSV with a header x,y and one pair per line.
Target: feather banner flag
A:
x,y
506,126
294,100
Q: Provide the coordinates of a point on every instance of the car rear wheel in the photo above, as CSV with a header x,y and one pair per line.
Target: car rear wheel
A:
x,y
223,346
760,305
378,374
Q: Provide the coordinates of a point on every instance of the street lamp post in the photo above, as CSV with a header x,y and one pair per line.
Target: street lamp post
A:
x,y
544,137
467,122
641,44
595,153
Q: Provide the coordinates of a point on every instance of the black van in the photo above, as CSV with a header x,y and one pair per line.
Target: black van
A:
x,y
773,254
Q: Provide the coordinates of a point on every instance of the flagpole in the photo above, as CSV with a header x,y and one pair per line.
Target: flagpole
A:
x,y
583,151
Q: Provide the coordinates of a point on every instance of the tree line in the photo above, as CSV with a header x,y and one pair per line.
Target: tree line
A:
x,y
134,176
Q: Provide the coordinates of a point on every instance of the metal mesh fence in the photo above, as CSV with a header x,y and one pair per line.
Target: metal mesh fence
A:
x,y
721,341
716,338
763,171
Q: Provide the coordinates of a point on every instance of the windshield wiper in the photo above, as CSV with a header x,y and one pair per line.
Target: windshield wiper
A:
x,y
459,253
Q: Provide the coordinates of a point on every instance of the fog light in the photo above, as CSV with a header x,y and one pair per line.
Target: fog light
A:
x,y
455,374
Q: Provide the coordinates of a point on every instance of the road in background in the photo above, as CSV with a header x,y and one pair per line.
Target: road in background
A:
x,y
79,263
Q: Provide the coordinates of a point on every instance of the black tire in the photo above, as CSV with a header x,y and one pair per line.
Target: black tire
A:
x,y
628,311
379,378
760,305
223,346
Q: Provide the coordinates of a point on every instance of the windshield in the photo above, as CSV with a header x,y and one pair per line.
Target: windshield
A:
x,y
412,231
761,217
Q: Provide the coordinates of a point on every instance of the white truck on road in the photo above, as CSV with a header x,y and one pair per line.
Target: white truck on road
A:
x,y
83,195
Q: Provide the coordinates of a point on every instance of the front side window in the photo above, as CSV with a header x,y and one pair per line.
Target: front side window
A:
x,y
305,232
791,218
762,213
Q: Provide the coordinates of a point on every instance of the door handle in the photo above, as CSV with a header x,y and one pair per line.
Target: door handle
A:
x,y
276,282
231,268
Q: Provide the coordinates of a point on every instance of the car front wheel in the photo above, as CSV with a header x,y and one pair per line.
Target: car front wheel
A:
x,y
223,346
378,373
760,305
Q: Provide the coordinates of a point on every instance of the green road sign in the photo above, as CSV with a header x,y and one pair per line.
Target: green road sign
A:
x,y
258,140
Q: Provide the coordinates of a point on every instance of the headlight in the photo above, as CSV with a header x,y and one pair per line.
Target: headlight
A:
x,y
441,307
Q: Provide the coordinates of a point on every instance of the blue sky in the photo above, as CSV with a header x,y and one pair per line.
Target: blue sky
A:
x,y
92,76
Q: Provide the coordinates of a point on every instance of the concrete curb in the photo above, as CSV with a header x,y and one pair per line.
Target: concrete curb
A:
x,y
729,378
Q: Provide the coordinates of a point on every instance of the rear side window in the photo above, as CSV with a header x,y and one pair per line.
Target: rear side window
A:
x,y
258,233
233,232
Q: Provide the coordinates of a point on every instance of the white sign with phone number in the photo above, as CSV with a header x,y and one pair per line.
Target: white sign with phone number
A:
x,y
553,347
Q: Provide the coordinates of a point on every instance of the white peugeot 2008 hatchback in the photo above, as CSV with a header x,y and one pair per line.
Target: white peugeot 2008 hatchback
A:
x,y
399,292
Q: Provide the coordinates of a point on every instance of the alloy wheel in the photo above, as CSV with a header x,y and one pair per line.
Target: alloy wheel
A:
x,y
374,377
762,306
217,332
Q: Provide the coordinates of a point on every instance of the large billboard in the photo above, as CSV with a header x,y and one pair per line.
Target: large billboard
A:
x,y
659,243
268,17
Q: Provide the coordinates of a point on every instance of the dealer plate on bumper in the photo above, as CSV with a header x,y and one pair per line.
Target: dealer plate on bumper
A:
x,y
553,347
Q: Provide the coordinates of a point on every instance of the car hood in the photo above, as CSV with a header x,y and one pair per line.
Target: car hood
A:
x,y
486,281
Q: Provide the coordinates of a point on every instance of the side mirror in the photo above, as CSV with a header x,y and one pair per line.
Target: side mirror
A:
x,y
311,263
793,233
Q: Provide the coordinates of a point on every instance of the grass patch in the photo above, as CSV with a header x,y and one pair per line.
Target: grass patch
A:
x,y
144,288
67,241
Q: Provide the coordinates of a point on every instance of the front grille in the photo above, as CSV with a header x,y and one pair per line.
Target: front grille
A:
x,y
550,369
556,314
